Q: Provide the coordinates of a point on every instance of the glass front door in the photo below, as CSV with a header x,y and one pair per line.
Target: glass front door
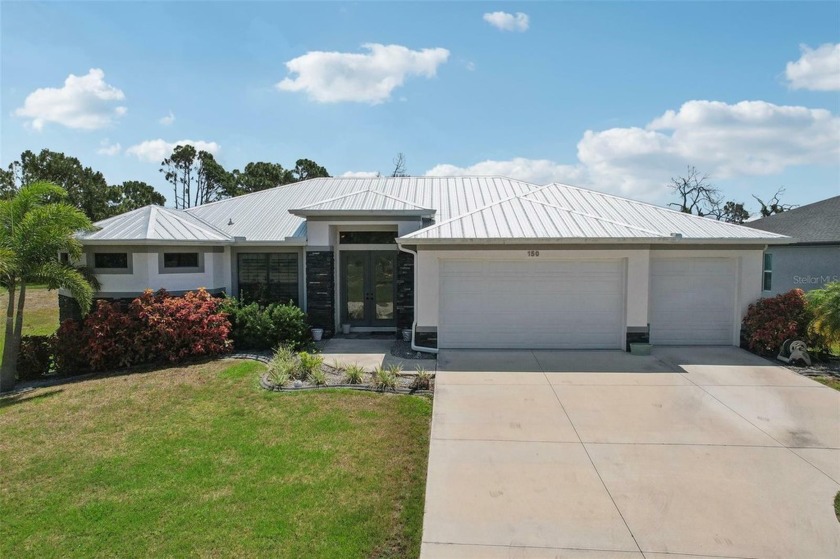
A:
x,y
368,281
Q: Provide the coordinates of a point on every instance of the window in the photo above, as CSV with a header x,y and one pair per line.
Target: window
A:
x,y
180,260
110,260
64,258
367,237
768,272
268,277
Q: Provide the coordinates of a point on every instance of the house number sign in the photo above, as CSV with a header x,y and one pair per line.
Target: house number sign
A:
x,y
533,253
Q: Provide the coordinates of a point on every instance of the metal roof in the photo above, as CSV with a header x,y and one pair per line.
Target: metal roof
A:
x,y
155,223
264,216
495,209
814,223
364,201
561,212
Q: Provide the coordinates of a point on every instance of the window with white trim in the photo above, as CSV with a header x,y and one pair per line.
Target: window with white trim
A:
x,y
767,284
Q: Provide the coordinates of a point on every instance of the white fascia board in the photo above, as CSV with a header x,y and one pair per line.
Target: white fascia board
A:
x,y
601,240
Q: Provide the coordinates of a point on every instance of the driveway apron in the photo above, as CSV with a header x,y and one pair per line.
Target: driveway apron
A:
x,y
701,452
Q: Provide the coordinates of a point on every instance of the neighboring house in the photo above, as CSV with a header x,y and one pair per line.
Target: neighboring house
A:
x,y
813,260
468,262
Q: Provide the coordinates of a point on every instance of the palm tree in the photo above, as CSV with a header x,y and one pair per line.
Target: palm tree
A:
x,y
35,225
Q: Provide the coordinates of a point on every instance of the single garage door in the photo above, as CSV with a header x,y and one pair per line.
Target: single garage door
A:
x,y
692,301
531,304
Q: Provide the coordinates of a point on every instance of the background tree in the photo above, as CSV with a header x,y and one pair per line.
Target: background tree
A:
x,y
696,195
37,223
136,194
260,175
213,182
774,205
86,189
178,169
399,166
307,169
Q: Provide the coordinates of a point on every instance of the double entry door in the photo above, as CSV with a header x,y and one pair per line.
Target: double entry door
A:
x,y
368,287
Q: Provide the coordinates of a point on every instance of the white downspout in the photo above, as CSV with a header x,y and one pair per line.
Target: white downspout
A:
x,y
414,346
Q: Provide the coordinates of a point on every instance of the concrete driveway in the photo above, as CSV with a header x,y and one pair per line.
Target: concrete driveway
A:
x,y
700,452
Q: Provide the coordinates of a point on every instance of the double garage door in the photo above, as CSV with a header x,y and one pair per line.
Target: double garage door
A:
x,y
531,304
580,304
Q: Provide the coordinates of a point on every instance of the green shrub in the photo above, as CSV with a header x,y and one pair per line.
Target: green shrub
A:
x,y
423,380
309,364
825,306
35,356
257,327
282,367
384,379
354,374
317,377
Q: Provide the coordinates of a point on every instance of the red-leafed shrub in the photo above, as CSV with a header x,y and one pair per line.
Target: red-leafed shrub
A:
x,y
34,357
771,321
152,328
70,349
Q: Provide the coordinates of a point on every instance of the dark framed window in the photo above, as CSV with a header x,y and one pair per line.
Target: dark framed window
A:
x,y
110,260
767,284
180,260
270,277
367,237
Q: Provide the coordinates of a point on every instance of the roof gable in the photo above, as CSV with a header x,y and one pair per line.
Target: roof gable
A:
x,y
363,201
155,223
559,211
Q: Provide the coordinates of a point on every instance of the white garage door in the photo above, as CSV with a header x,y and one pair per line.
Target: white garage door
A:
x,y
692,301
531,304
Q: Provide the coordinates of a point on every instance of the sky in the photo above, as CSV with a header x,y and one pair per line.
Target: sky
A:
x,y
617,97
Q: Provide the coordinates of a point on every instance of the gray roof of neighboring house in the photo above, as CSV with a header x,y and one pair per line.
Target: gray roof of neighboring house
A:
x,y
465,208
152,224
814,223
559,211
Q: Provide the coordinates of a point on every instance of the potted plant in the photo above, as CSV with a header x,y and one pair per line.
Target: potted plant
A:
x,y
317,334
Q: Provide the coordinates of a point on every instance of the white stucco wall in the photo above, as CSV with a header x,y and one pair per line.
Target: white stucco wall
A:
x,y
146,272
637,262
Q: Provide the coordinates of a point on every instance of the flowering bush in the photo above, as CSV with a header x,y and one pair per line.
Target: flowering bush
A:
x,y
771,321
152,328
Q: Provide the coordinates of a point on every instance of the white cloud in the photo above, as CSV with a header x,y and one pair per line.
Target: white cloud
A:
x,y
817,69
360,174
155,151
508,22
751,138
332,77
168,119
107,148
537,171
85,102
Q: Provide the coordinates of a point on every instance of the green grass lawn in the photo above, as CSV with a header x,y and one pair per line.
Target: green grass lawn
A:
x,y
832,382
199,461
40,313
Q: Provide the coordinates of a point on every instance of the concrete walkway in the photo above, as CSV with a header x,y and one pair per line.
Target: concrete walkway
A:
x,y
700,452
369,354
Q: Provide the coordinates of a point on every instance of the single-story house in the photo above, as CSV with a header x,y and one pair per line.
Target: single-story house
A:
x,y
813,260
466,262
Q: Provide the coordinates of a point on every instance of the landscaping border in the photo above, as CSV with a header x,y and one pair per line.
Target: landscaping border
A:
x,y
268,385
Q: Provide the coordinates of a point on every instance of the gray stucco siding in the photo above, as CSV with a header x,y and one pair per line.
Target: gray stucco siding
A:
x,y
803,267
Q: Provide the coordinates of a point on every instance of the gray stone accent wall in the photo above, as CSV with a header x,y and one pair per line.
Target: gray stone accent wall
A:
x,y
426,337
405,290
637,335
320,290
68,308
